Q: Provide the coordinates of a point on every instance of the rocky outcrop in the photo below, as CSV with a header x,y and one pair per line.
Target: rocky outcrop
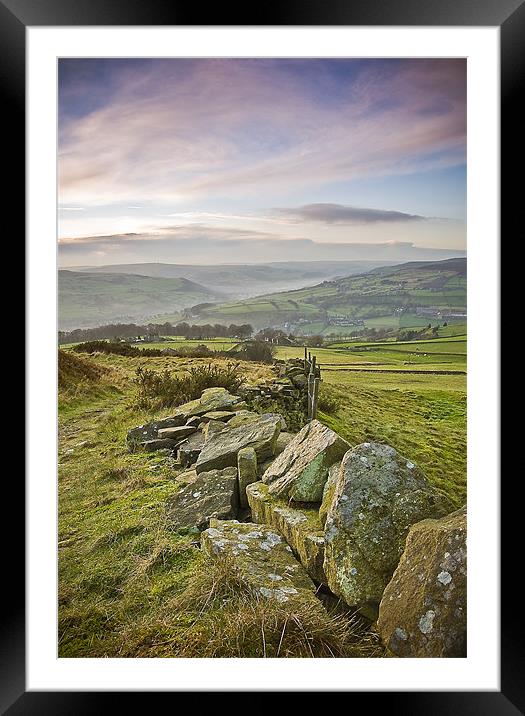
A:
x,y
247,471
300,525
378,496
221,450
301,471
423,612
209,494
262,559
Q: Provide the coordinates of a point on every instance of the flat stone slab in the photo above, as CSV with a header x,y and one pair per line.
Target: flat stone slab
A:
x,y
301,470
178,433
242,417
149,431
212,399
263,560
300,525
221,449
210,494
223,415
158,444
423,612
378,496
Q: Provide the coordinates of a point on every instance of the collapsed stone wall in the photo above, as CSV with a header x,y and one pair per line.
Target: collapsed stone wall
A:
x,y
361,521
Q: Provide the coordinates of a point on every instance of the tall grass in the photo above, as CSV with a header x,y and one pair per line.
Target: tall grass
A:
x,y
165,390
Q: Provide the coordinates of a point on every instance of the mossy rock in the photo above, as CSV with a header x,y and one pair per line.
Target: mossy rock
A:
x,y
300,526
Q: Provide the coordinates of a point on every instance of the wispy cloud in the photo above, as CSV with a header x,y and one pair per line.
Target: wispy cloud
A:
x,y
209,245
173,131
339,214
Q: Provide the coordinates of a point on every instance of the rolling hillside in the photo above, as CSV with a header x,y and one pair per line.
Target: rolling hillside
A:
x,y
245,280
409,294
92,299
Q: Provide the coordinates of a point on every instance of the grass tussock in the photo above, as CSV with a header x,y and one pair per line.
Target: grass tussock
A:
x,y
232,620
73,370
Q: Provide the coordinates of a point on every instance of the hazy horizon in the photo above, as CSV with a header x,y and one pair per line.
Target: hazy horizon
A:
x,y
256,161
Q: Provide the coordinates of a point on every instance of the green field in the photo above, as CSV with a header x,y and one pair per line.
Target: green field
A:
x,y
92,299
383,298
126,582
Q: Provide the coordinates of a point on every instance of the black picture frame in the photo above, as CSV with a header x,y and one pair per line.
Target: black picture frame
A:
x,y
15,17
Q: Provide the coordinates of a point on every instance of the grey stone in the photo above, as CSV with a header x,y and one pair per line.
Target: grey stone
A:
x,y
189,449
378,496
300,526
178,433
262,559
423,612
221,450
247,469
301,470
148,431
152,445
210,494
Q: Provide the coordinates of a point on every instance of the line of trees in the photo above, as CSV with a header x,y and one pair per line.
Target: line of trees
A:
x,y
118,331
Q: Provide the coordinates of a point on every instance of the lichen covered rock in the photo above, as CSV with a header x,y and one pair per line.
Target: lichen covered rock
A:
x,y
329,491
300,525
210,494
212,399
243,417
301,470
378,496
263,560
221,450
423,612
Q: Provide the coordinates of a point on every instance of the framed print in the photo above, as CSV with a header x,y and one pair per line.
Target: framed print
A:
x,y
254,446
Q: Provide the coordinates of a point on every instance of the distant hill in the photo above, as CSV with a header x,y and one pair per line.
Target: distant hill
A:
x,y
245,280
410,294
92,299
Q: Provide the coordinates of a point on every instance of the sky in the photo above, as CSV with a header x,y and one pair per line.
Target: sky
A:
x,y
255,160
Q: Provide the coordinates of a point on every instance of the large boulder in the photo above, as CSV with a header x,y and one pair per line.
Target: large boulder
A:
x,y
210,494
379,495
301,470
300,526
262,559
149,431
221,449
423,612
